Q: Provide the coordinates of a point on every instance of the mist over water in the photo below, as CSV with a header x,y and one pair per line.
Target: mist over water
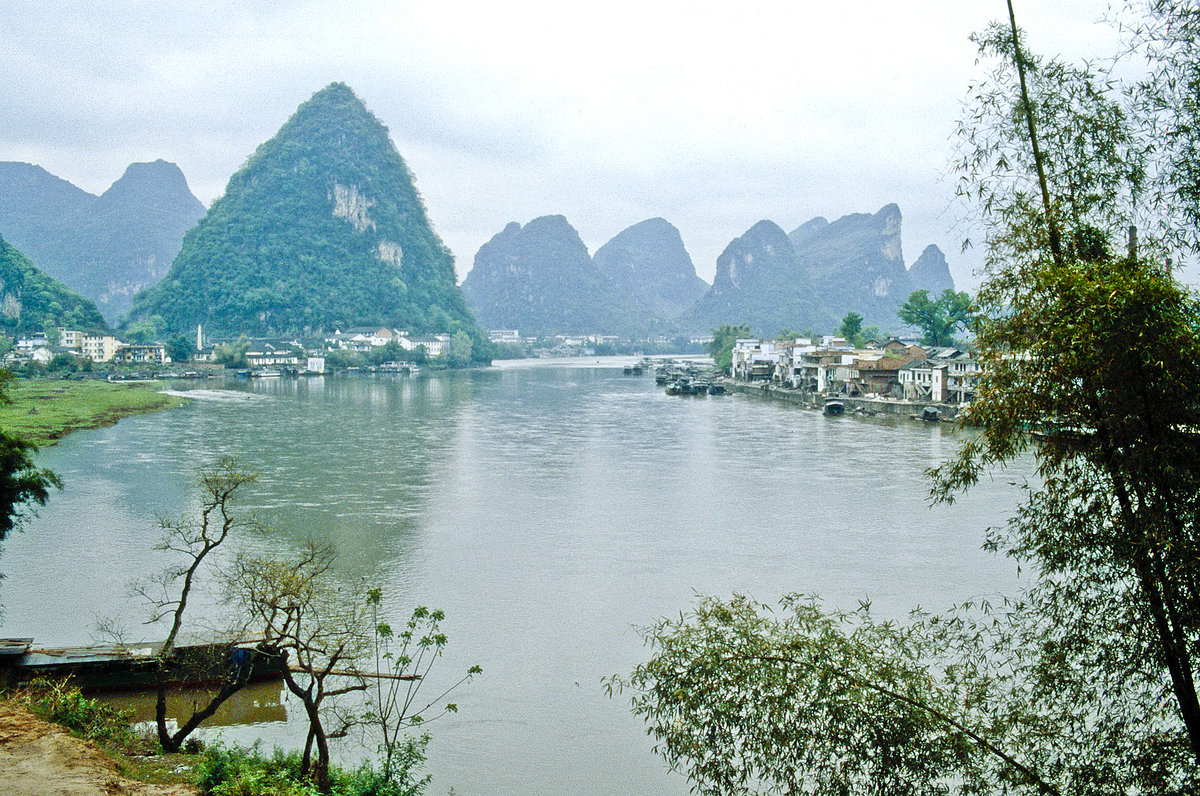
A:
x,y
548,509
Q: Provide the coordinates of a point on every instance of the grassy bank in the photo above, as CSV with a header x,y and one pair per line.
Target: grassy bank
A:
x,y
44,411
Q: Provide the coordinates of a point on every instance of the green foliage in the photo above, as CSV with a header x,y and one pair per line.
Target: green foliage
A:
x,y
180,348
851,329
802,700
232,355
873,333
31,302
21,483
458,350
341,358
63,362
1166,34
143,332
231,771
724,339
938,319
321,229
60,702
405,660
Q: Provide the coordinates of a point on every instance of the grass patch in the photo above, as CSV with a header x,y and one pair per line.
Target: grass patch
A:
x,y
232,771
44,411
60,702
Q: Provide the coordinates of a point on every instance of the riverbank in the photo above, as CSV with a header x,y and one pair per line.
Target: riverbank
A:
x,y
44,411
37,758
865,406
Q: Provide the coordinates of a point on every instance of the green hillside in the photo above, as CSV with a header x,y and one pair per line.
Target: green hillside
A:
x,y
29,300
321,229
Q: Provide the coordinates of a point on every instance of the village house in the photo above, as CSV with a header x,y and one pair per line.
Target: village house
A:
x,y
789,365
946,376
880,375
153,354
435,345
753,359
504,336
273,355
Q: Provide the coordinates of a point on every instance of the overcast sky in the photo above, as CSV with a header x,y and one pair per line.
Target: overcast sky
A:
x,y
711,115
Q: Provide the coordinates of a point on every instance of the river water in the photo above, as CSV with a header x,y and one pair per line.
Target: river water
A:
x,y
548,508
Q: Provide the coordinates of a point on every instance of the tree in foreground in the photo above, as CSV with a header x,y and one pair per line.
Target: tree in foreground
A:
x,y
193,540
1086,683
337,646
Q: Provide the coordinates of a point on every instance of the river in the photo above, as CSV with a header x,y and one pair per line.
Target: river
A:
x,y
549,508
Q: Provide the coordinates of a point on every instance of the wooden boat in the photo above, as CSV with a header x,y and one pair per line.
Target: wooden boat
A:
x,y
833,408
132,666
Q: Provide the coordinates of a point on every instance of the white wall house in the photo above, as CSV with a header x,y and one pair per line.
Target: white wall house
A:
x,y
924,381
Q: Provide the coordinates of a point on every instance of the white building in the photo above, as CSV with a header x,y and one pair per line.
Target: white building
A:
x,y
754,359
504,336
96,347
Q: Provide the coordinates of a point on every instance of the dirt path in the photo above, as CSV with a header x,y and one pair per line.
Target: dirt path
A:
x,y
40,759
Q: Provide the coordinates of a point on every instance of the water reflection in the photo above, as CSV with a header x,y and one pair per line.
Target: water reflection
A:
x,y
257,703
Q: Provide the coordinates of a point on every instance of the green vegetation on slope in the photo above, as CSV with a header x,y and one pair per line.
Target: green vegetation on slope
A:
x,y
321,229
29,299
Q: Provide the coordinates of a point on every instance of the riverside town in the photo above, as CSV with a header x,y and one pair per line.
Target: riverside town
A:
x,y
896,377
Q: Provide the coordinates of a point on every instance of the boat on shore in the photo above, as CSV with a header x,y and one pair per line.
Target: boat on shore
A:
x,y
834,408
110,667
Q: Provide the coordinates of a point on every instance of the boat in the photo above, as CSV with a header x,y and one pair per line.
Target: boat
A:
x,y
930,413
108,667
834,407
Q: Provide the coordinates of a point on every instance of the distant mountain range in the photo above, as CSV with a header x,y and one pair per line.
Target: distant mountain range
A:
x,y
321,229
324,229
539,280
105,247
30,300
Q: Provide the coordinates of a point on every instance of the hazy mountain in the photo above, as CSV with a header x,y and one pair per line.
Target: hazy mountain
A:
x,y
808,230
29,299
857,264
106,247
322,228
930,271
650,266
760,281
539,280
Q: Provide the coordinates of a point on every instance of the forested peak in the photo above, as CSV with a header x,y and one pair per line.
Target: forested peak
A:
x,y
153,183
334,120
321,228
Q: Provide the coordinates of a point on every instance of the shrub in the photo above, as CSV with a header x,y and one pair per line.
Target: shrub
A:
x,y
62,703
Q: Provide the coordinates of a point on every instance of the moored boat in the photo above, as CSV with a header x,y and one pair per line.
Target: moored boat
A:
x,y
110,667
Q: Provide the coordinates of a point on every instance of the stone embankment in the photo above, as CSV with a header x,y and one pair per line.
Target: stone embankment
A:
x,y
866,406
